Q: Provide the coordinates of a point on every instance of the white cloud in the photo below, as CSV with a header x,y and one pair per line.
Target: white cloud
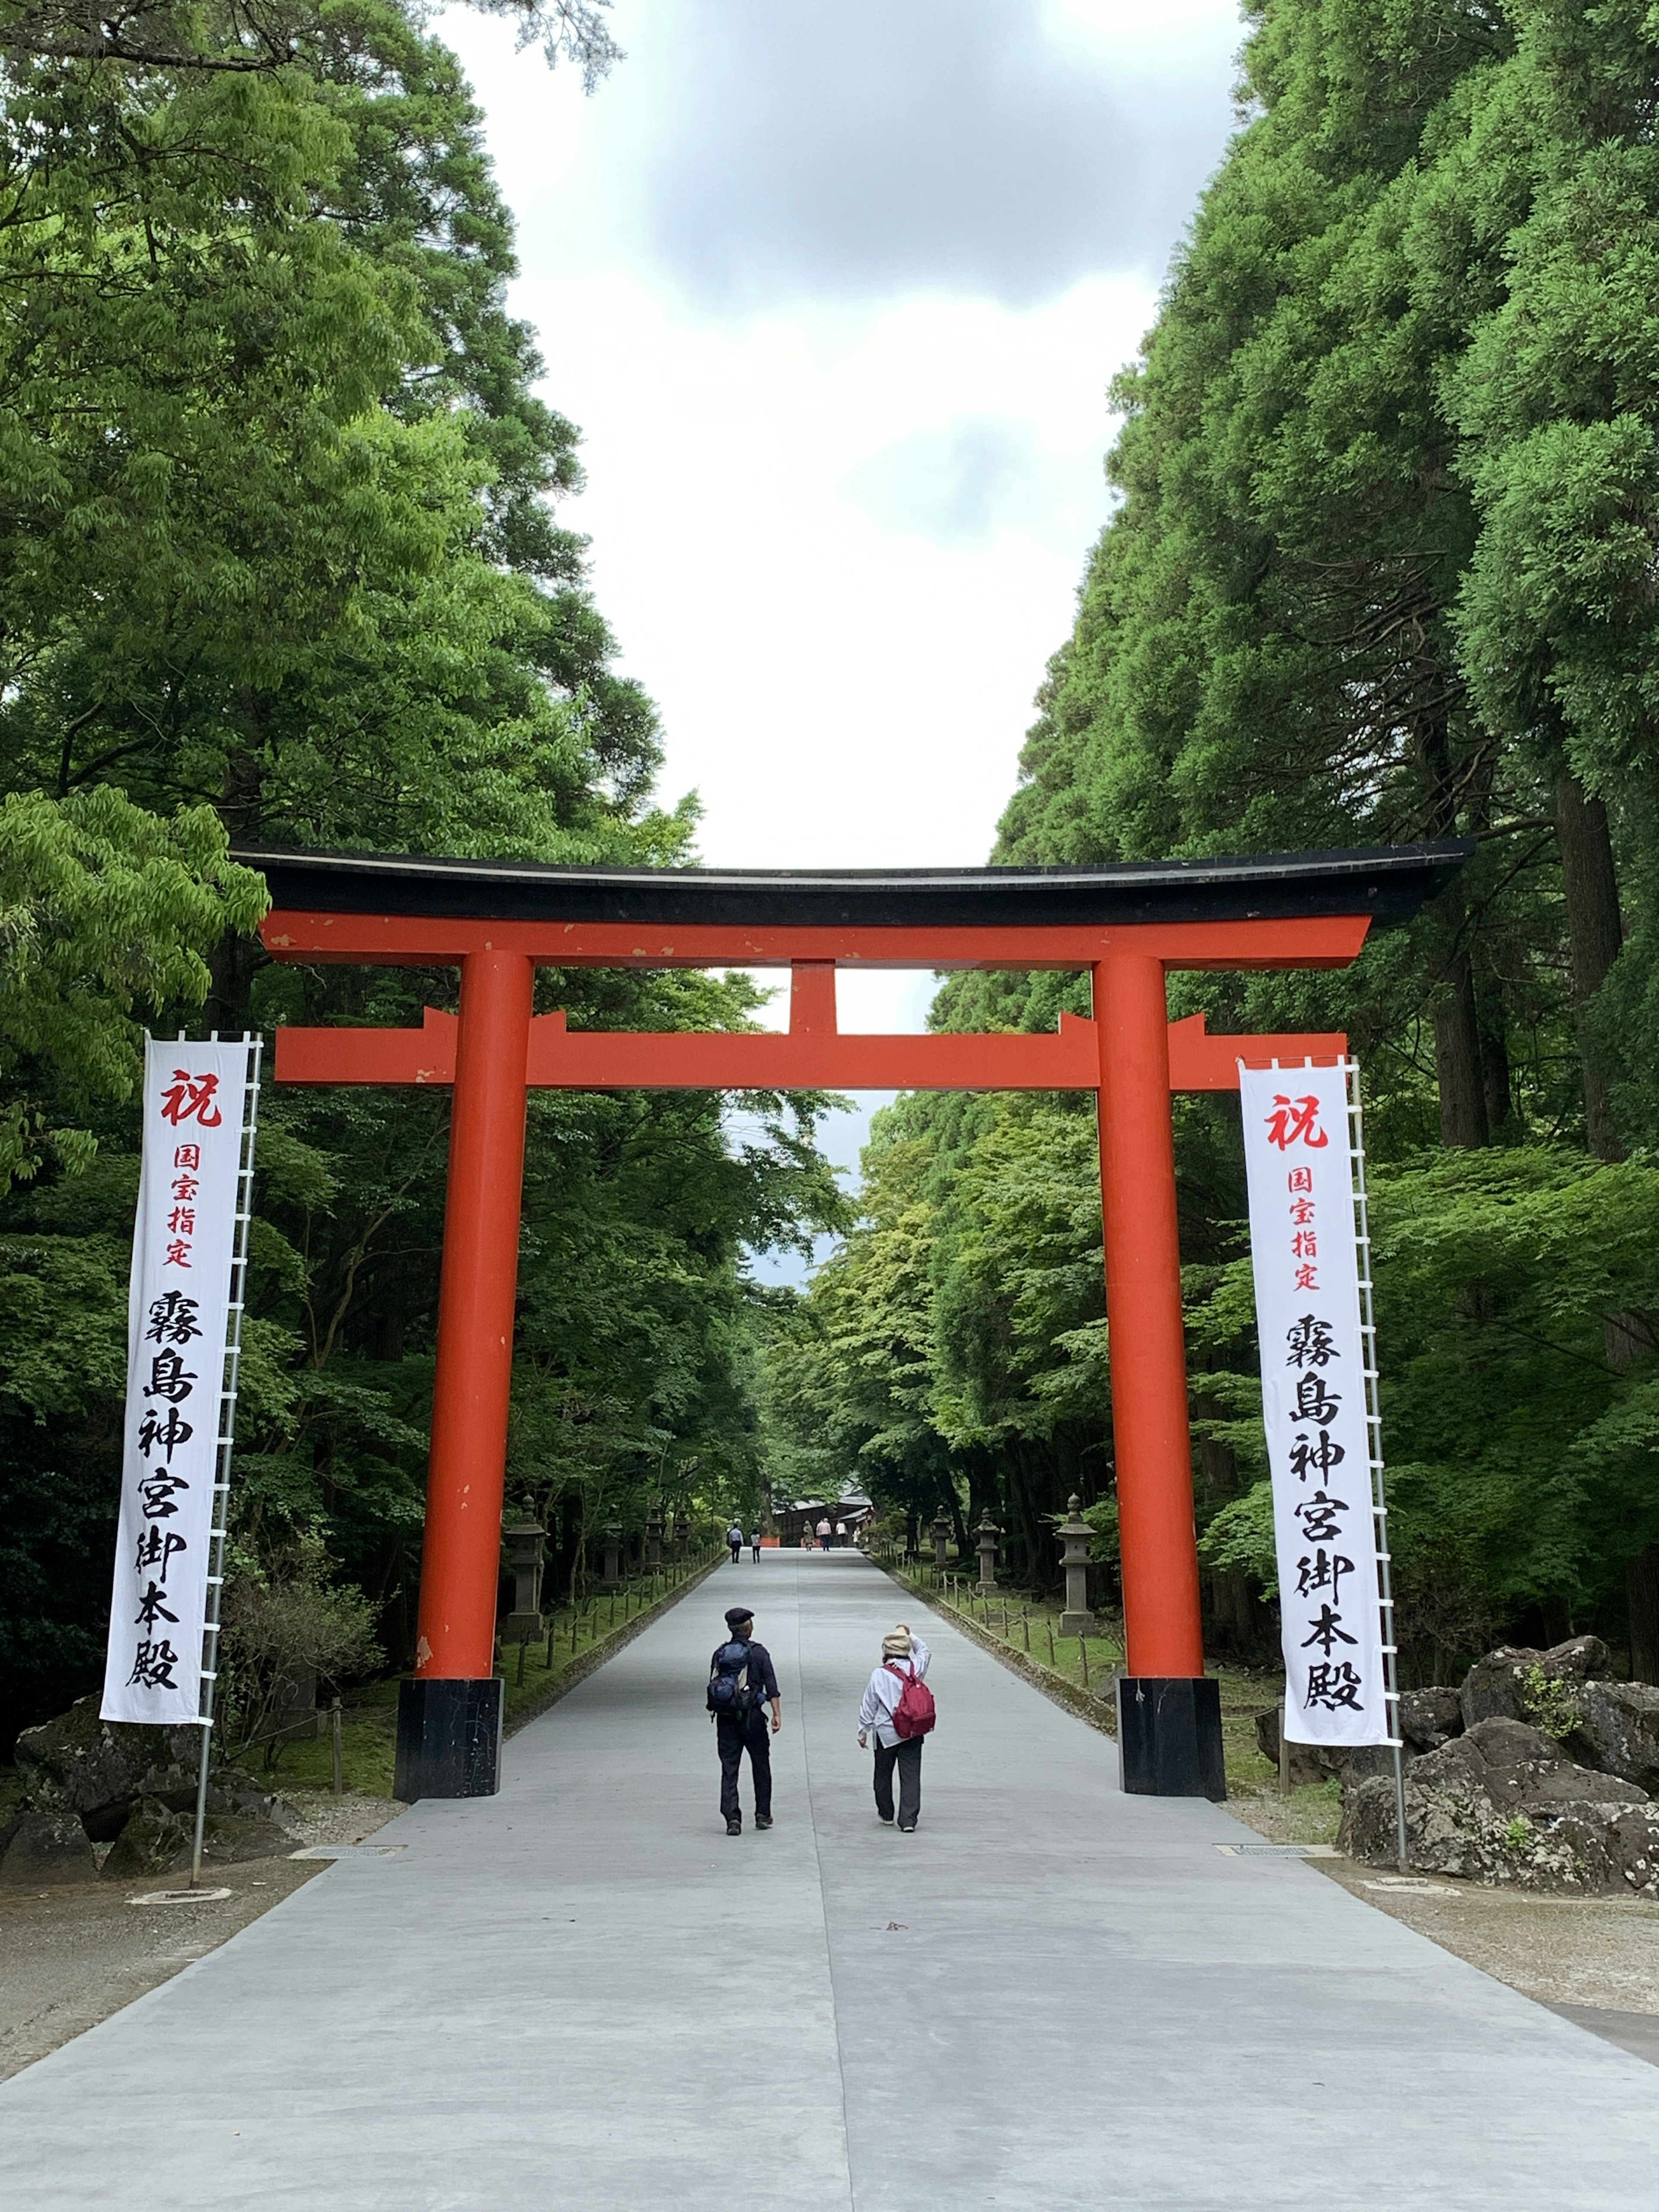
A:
x,y
834,294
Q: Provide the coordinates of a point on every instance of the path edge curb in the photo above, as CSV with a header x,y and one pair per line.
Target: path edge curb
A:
x,y
1056,1687
596,1655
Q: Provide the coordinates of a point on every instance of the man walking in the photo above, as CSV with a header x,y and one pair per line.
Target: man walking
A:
x,y
824,1535
903,1656
742,1682
734,1539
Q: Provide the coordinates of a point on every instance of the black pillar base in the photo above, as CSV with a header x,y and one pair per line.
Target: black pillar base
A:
x,y
1169,1736
449,1739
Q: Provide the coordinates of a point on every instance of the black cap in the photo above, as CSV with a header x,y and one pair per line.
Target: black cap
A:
x,y
737,1614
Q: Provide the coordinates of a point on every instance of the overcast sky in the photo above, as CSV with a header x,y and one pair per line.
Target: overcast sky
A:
x,y
834,293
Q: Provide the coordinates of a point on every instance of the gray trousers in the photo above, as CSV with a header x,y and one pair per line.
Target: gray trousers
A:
x,y
906,1755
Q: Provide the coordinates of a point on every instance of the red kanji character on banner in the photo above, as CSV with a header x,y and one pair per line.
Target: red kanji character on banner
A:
x,y
1306,1278
1299,1179
1302,1212
177,1254
1296,1122
182,1221
1304,1245
185,1188
187,1155
190,1098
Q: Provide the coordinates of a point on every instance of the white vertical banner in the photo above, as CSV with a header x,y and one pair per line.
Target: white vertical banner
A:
x,y
178,1329
1304,1254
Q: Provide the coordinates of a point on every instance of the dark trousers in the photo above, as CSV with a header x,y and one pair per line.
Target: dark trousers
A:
x,y
907,1757
735,1737
736,1550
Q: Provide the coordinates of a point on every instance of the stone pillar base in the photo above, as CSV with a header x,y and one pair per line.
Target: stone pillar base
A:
x,y
449,1738
522,1628
1078,1624
1169,1736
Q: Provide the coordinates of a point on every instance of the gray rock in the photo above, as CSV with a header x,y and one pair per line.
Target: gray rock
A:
x,y
1429,1718
1500,1804
153,1837
1309,1761
1617,1730
102,1770
1515,1683
80,1764
48,1847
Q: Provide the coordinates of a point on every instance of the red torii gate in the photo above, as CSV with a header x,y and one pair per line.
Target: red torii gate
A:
x,y
1128,925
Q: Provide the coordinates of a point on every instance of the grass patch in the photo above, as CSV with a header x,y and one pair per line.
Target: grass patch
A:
x,y
368,1727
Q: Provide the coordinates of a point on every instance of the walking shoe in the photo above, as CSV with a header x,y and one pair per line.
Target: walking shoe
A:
x,y
907,1827
734,1827
762,1819
886,1820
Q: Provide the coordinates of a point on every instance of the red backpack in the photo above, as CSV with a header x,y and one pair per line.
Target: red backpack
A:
x,y
915,1712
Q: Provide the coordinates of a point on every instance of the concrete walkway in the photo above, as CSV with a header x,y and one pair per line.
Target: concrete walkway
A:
x,y
582,1993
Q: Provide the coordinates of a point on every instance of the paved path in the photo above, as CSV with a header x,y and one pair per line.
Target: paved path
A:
x,y
582,1994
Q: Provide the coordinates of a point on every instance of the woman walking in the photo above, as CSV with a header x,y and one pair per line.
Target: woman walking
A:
x,y
904,1660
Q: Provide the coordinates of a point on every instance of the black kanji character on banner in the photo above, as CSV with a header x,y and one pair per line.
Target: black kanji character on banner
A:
x,y
1309,1340
157,1493
1331,1687
1322,1570
172,1319
169,1433
155,1553
169,1377
1321,1457
151,1609
1318,1515
1314,1402
1327,1630
152,1668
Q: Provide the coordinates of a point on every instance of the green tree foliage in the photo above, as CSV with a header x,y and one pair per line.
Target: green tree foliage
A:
x,y
1380,568
280,566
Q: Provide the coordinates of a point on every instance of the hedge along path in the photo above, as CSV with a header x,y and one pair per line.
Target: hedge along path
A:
x,y
1096,1704
527,1699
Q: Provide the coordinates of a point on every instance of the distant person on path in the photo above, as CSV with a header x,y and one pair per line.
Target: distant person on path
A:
x,y
742,1682
734,1538
754,1546
824,1535
904,1658
806,1535
841,1535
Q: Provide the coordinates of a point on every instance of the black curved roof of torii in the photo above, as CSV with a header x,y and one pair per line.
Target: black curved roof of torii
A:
x,y
1388,882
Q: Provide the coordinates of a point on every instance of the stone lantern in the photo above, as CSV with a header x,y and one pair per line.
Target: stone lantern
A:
x,y
988,1532
612,1578
941,1538
1074,1533
525,1540
654,1539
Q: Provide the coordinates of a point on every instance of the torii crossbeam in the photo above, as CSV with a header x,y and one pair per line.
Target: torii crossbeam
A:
x,y
498,922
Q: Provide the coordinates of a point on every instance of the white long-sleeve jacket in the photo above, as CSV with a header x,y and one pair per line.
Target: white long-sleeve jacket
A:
x,y
883,1691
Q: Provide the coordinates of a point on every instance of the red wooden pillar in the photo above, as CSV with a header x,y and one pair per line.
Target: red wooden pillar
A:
x,y
1169,1716
449,1716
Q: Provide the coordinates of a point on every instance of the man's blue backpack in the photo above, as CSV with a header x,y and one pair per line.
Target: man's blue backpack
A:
x,y
731,1693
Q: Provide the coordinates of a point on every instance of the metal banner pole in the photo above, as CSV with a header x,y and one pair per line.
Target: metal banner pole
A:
x,y
1374,1443
215,1579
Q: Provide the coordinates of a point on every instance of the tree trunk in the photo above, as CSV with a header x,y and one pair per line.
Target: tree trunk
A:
x,y
1642,1586
1457,1068
1595,934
